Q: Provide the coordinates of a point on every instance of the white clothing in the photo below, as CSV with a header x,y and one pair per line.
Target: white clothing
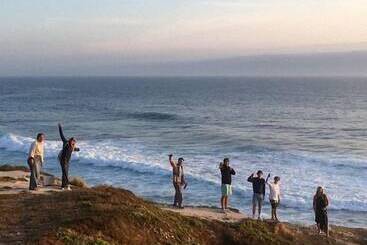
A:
x,y
274,191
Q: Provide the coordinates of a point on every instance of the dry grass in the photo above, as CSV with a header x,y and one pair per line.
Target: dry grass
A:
x,y
106,215
78,182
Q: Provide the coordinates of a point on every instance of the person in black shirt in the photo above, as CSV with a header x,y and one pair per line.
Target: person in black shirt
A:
x,y
227,173
68,147
258,186
320,203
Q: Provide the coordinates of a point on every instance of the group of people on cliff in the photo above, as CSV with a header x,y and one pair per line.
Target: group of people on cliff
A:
x,y
36,159
320,200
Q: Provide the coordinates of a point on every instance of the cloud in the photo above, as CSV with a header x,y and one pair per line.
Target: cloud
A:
x,y
97,21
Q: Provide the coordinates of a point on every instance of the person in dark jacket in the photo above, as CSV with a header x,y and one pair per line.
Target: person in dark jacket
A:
x,y
68,147
227,173
258,186
320,203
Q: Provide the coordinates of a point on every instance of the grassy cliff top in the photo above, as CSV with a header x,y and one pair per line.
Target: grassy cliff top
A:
x,y
107,215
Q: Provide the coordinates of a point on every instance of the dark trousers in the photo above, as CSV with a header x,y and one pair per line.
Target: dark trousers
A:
x,y
33,178
65,174
178,194
322,219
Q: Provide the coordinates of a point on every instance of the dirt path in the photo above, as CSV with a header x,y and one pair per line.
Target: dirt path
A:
x,y
209,213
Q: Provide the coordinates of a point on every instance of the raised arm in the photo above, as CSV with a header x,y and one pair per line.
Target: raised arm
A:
x,y
62,134
267,179
171,161
250,178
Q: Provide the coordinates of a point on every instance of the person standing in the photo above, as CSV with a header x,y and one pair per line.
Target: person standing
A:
x,y
35,161
274,196
320,203
68,147
179,181
258,186
227,173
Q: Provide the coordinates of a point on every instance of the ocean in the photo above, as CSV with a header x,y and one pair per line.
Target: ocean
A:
x,y
308,131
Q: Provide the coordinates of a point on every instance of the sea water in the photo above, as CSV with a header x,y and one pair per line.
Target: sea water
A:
x,y
309,131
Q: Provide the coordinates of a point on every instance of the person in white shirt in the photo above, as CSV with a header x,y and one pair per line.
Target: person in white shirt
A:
x,y
35,161
274,196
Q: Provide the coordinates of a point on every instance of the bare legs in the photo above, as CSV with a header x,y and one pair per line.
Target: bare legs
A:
x,y
224,202
274,214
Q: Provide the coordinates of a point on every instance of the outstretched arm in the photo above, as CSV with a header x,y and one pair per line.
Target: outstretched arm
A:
x,y
62,134
232,171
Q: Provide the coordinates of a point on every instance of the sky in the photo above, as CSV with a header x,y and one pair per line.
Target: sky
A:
x,y
76,37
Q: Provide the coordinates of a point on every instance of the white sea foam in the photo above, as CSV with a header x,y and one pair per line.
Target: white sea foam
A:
x,y
301,172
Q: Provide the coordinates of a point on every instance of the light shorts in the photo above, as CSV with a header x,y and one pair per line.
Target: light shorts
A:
x,y
257,199
226,190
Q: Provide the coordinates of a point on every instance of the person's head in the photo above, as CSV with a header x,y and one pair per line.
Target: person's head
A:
x,y
40,137
276,179
180,161
259,173
72,142
226,162
319,190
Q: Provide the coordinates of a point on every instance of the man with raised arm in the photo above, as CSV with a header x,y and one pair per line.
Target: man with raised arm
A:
x,y
226,172
35,161
68,147
178,178
258,186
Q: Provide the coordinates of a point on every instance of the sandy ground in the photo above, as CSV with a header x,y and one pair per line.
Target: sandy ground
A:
x,y
209,213
13,182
